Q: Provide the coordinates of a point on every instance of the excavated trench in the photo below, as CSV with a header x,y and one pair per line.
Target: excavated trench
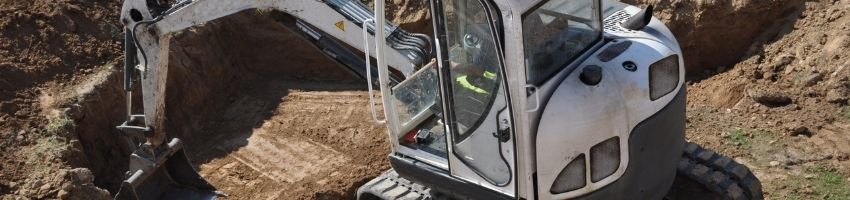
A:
x,y
264,115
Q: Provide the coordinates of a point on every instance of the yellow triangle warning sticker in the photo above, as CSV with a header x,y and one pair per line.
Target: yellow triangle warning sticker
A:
x,y
340,25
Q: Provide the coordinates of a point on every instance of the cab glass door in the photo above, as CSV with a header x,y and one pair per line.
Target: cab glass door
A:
x,y
475,99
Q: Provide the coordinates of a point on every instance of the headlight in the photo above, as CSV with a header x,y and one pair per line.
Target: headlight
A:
x,y
604,159
572,177
663,77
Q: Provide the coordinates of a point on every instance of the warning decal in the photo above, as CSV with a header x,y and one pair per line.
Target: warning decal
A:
x,y
340,25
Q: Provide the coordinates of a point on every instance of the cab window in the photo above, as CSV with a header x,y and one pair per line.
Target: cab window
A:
x,y
474,64
557,32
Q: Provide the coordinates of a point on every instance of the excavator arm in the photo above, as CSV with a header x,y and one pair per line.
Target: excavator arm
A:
x,y
158,168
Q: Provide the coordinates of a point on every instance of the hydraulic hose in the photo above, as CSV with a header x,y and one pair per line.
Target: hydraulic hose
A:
x,y
136,39
173,8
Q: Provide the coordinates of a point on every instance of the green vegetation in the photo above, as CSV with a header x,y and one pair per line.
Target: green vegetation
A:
x,y
766,136
61,125
794,196
830,183
760,145
845,111
740,138
37,155
825,183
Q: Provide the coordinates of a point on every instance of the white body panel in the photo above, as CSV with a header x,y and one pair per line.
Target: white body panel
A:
x,y
579,116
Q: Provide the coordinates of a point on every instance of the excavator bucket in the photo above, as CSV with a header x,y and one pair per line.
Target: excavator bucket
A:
x,y
156,172
164,173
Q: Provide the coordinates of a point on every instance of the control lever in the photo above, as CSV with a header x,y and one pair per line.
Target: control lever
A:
x,y
423,136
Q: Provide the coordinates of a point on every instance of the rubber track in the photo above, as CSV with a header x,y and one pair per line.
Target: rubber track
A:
x,y
719,174
390,186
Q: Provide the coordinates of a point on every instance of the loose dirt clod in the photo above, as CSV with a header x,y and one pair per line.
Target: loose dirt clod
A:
x,y
811,79
838,95
79,184
797,130
769,96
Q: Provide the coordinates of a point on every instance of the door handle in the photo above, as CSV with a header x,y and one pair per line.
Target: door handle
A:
x,y
536,98
503,130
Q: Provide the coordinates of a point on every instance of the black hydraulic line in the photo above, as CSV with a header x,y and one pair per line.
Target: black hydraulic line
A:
x,y
407,42
152,21
425,38
347,58
405,48
331,47
400,46
412,41
129,60
401,42
358,12
136,39
397,42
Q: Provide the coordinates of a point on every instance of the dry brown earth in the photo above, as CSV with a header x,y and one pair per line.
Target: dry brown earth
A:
x,y
782,108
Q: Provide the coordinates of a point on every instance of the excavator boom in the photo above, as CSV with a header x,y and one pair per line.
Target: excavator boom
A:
x,y
160,169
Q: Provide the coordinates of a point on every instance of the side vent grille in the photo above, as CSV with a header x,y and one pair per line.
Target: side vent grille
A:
x,y
572,177
613,51
604,159
612,23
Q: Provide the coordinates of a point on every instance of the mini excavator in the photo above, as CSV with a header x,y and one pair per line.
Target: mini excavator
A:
x,y
506,99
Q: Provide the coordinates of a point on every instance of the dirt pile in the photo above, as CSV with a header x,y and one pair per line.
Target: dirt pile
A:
x,y
46,45
714,35
783,109
412,16
43,41
799,81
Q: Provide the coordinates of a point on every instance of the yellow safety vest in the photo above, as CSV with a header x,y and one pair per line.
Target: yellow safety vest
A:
x,y
466,84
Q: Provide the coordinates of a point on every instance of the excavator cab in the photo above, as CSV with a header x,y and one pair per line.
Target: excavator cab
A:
x,y
548,99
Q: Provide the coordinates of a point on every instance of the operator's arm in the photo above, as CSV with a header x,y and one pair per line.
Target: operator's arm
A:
x,y
463,68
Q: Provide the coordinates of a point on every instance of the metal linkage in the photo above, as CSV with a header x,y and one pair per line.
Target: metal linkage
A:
x,y
134,126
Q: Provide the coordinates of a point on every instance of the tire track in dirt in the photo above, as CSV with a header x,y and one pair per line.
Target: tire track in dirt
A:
x,y
832,141
292,140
